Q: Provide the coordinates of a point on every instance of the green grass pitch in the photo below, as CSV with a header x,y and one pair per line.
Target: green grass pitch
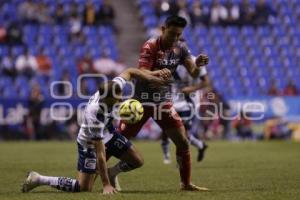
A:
x,y
245,170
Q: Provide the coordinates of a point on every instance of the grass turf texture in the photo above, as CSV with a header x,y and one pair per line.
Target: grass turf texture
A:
x,y
246,170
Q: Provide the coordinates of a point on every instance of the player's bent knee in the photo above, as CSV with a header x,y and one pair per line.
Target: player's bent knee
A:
x,y
134,158
139,163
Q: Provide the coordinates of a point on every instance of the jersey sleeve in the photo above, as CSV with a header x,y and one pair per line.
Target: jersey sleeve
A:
x,y
185,53
203,71
94,125
147,56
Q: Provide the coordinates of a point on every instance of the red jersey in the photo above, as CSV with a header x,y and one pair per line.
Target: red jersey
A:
x,y
154,57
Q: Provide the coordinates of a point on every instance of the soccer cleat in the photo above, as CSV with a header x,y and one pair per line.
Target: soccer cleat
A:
x,y
167,161
114,181
167,158
31,182
192,187
201,152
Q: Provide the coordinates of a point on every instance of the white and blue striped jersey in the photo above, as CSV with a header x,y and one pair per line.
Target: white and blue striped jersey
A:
x,y
96,123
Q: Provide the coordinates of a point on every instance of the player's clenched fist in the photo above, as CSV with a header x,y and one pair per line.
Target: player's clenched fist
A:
x,y
202,60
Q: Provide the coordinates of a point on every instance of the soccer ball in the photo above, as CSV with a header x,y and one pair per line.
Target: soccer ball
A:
x,y
131,111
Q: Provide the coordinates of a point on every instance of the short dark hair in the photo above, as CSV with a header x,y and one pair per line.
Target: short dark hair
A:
x,y
111,87
175,20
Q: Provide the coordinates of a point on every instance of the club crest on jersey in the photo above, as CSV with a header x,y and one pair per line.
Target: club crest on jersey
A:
x,y
147,46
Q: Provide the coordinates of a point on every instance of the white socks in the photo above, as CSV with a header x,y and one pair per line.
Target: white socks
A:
x,y
48,180
196,142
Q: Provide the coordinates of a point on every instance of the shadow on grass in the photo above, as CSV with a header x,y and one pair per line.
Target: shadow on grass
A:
x,y
229,190
48,192
122,192
153,192
149,191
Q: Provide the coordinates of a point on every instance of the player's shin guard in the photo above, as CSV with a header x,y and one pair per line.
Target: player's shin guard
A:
x,y
66,184
184,163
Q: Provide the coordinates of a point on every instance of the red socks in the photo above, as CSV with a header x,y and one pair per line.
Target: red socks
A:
x,y
184,163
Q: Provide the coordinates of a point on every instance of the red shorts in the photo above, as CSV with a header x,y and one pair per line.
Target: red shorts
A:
x,y
163,114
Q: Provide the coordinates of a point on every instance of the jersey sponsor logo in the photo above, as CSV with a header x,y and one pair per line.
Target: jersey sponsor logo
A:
x,y
168,61
90,163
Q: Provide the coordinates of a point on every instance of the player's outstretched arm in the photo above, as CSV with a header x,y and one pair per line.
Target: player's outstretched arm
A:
x,y
159,77
102,168
193,66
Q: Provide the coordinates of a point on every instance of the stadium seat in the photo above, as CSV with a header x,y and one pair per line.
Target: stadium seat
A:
x,y
9,91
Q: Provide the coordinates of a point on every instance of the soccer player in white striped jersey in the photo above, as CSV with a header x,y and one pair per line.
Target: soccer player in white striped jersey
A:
x,y
97,138
184,103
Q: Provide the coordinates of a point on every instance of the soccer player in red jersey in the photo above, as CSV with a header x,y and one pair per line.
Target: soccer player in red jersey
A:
x,y
168,52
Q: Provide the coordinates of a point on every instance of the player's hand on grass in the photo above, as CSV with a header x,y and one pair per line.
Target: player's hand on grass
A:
x,y
108,189
201,60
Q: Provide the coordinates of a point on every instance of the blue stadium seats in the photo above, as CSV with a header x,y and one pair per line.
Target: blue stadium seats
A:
x,y
21,80
146,10
4,51
150,22
9,91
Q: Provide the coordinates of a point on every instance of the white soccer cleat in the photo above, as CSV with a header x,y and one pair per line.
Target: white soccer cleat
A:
x,y
167,161
167,158
114,181
31,182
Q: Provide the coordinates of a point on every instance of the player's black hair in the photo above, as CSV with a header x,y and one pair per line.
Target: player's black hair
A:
x,y
175,20
111,88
